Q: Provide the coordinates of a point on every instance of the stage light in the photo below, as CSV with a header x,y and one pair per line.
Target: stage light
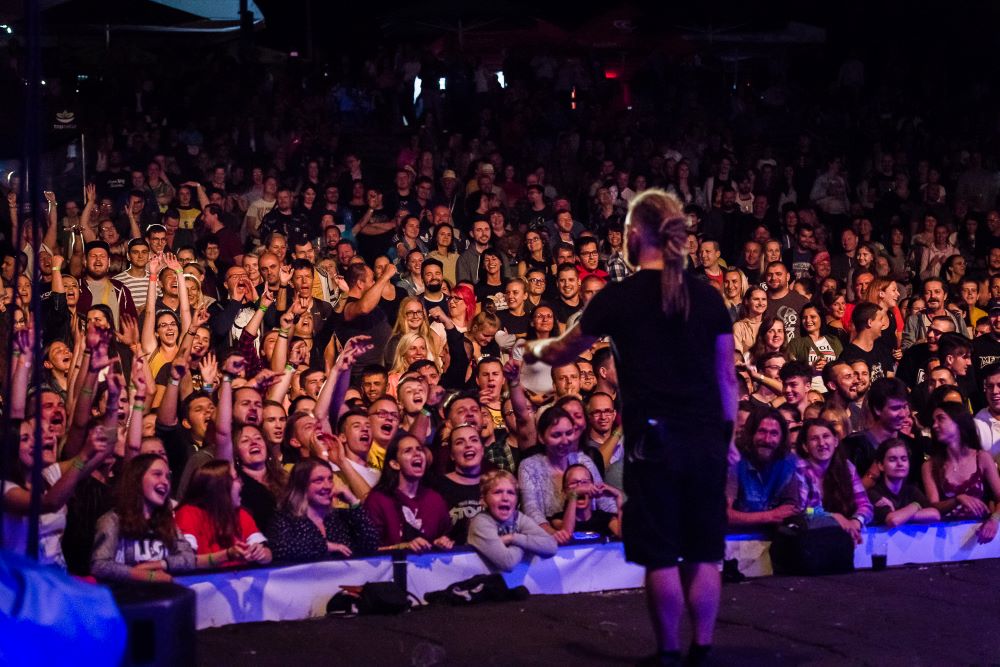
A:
x,y
417,87
502,79
441,83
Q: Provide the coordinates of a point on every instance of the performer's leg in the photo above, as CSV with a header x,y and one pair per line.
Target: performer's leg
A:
x,y
702,588
665,597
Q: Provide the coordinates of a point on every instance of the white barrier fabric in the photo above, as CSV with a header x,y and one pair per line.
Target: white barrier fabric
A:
x,y
574,569
287,593
302,591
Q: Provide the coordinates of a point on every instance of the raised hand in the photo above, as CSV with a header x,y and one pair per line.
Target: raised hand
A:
x,y
265,378
57,262
512,370
285,274
266,297
234,365
155,264
171,262
355,347
200,317
90,193
129,334
139,376
209,368
50,196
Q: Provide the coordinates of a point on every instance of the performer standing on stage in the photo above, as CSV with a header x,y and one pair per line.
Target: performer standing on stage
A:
x,y
673,345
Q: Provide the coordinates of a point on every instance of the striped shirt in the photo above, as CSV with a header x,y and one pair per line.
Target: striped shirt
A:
x,y
137,287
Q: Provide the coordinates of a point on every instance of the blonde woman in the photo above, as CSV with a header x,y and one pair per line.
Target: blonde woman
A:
x,y
412,318
412,347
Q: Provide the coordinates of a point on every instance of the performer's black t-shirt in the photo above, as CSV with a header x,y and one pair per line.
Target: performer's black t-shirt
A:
x,y
666,366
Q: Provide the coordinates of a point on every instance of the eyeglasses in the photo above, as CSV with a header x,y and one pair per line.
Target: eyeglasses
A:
x,y
607,412
536,281
578,482
385,414
590,253
414,313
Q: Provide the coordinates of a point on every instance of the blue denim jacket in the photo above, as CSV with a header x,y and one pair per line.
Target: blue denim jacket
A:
x,y
762,490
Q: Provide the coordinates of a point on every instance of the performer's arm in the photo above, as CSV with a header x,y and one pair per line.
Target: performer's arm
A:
x,y
567,347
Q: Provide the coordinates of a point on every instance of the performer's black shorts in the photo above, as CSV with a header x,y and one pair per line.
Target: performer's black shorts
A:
x,y
676,507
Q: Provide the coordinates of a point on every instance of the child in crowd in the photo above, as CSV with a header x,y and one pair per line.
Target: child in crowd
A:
x,y
501,534
895,500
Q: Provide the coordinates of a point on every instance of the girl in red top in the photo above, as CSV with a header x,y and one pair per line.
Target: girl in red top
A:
x,y
222,533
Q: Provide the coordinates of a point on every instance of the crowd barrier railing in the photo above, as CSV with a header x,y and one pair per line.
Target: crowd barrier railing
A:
x,y
295,592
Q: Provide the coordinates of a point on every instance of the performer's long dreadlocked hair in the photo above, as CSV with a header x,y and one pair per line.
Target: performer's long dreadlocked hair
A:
x,y
658,217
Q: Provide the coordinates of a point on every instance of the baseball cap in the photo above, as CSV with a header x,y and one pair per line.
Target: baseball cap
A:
x,y
994,304
448,173
486,168
97,245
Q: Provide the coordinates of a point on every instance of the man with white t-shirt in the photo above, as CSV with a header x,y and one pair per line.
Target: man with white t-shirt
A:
x,y
351,461
988,419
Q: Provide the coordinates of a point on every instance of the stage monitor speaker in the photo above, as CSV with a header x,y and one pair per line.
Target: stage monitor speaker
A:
x,y
160,622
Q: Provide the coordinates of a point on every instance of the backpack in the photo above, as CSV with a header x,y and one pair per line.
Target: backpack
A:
x,y
480,588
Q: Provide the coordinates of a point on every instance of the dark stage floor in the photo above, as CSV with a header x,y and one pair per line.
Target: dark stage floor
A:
x,y
931,615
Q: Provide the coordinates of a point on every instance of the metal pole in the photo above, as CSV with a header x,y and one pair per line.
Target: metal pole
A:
x,y
32,187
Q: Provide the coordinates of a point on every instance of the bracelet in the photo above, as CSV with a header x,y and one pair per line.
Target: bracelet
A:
x,y
211,560
56,269
152,574
226,377
87,391
355,506
282,330
192,333
425,412
17,353
283,335
289,367
139,407
262,308
208,386
174,383
78,463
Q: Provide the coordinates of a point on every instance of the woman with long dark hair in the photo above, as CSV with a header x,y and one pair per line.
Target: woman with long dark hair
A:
x,y
139,539
960,478
828,482
210,517
407,513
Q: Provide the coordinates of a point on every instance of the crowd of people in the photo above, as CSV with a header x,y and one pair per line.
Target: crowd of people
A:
x,y
268,355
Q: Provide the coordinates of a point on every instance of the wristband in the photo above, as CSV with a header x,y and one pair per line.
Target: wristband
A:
x,y
208,387
262,308
211,560
355,506
282,331
78,463
17,353
87,391
425,412
226,377
152,574
289,367
139,407
283,335
56,269
174,383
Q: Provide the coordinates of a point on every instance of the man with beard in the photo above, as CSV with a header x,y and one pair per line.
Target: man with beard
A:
x,y
374,380
467,267
602,435
888,409
842,391
761,488
432,273
569,301
917,324
783,303
98,288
